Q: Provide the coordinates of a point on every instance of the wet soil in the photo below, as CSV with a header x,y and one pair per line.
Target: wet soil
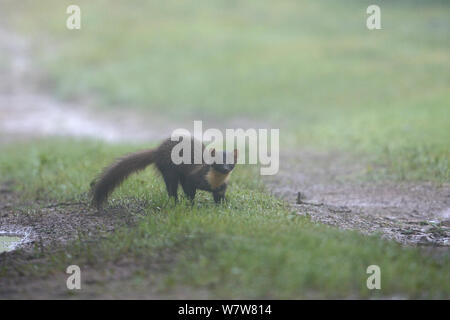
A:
x,y
44,224
333,188
46,227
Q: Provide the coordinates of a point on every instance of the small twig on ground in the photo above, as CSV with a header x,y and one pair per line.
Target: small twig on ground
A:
x,y
311,204
62,204
301,196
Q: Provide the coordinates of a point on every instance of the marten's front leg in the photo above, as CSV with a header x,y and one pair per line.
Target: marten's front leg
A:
x,y
171,180
219,194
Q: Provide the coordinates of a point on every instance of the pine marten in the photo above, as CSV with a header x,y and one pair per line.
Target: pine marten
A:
x,y
209,177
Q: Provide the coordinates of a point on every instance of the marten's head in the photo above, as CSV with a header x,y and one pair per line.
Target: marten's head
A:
x,y
227,163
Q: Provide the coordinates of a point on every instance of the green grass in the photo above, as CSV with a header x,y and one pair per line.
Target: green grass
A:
x,y
250,247
309,67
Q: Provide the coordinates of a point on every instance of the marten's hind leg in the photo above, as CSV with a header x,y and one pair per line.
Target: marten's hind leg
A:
x,y
171,179
188,188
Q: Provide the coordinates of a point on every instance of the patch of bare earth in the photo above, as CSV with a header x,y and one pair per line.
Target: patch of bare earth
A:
x,y
331,189
44,223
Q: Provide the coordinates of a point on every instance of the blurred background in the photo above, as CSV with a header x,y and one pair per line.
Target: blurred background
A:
x,y
311,68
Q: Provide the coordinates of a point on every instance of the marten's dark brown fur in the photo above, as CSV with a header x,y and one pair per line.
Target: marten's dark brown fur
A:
x,y
208,177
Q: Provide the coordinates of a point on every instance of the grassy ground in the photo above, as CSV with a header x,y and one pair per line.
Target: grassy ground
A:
x,y
251,247
310,68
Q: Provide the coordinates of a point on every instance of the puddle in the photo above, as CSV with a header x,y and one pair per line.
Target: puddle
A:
x,y
14,237
9,242
446,214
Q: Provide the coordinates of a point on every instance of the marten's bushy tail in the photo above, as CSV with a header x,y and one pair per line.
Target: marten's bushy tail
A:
x,y
116,173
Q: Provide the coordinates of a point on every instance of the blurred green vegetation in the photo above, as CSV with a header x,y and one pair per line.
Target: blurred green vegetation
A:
x,y
309,67
253,246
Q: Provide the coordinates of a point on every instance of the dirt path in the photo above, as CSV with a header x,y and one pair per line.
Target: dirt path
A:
x,y
329,192
328,187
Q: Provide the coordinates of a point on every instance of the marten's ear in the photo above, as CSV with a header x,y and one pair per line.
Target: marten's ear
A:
x,y
213,152
235,153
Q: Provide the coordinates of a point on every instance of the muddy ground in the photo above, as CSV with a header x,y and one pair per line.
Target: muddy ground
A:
x,y
327,186
331,188
43,224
